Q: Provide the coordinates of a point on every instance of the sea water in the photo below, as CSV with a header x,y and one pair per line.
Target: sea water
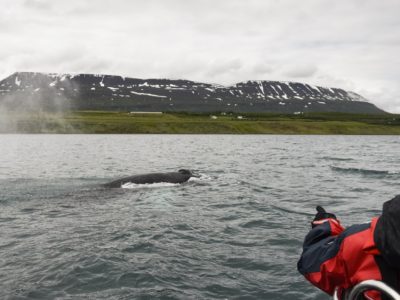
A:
x,y
234,233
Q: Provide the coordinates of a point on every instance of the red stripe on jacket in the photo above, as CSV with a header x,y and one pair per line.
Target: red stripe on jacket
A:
x,y
353,263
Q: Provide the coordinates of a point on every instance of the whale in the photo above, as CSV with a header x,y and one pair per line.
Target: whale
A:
x,y
181,176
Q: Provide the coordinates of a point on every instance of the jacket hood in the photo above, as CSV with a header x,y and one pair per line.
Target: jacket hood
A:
x,y
387,232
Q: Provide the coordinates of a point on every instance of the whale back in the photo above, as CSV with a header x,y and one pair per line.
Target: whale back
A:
x,y
171,177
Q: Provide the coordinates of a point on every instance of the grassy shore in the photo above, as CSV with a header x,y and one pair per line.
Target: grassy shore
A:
x,y
181,123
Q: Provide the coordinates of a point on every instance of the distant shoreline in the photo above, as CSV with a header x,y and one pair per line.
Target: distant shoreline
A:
x,y
106,122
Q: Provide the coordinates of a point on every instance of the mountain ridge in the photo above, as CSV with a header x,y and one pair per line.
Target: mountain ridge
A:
x,y
113,92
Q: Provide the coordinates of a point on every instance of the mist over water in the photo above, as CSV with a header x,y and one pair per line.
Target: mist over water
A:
x,y
235,233
27,102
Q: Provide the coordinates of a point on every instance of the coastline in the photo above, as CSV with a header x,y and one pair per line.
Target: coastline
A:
x,y
106,122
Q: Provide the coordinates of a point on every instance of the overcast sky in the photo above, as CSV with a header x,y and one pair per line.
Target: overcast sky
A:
x,y
351,44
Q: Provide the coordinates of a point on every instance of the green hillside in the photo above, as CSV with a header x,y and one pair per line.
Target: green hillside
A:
x,y
185,123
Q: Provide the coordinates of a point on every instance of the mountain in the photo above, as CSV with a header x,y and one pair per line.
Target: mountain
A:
x,y
105,92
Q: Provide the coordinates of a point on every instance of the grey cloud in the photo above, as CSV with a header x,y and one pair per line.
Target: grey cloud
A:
x,y
262,69
216,68
37,4
300,71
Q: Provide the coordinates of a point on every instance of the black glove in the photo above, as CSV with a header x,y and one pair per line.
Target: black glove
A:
x,y
322,214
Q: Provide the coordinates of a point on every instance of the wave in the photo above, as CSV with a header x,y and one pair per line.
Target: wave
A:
x,y
365,172
336,158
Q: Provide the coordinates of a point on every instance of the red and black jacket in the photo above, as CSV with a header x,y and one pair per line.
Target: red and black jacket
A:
x,y
334,257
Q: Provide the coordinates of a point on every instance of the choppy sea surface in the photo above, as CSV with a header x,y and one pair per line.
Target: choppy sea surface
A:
x,y
234,233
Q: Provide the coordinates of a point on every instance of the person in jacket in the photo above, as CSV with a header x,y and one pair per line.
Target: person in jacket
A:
x,y
338,258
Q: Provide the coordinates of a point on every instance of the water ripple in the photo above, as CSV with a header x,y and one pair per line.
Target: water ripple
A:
x,y
235,234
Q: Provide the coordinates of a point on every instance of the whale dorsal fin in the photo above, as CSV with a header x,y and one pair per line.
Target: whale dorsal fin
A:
x,y
185,172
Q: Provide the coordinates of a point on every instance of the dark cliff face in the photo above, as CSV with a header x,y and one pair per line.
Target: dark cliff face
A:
x,y
105,92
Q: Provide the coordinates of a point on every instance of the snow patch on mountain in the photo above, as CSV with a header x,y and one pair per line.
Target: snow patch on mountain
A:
x,y
89,90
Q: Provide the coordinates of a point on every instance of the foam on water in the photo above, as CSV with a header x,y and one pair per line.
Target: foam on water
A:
x,y
200,177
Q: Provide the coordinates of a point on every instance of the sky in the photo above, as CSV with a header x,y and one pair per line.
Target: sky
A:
x,y
349,44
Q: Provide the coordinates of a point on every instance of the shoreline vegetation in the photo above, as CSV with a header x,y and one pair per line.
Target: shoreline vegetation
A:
x,y
106,122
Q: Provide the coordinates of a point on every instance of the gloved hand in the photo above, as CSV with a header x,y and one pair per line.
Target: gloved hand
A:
x,y
321,214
